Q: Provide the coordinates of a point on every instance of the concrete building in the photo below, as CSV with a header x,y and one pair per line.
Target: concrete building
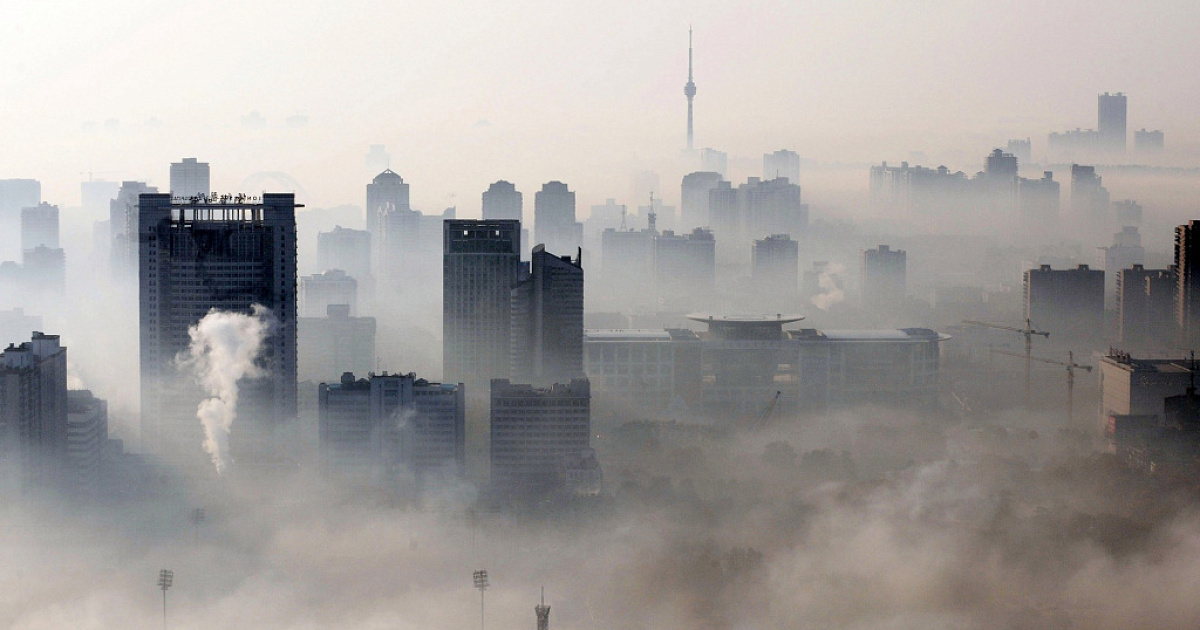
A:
x,y
627,266
1132,387
644,369
771,206
693,206
554,223
44,272
87,441
1149,141
534,431
884,278
123,223
33,415
319,291
775,264
480,265
781,164
393,224
685,267
334,344
1088,195
502,201
15,195
1111,115
376,429
714,161
39,227
1145,307
190,178
1187,288
348,250
1039,199
659,216
1125,252
1021,149
547,319
230,255
1067,302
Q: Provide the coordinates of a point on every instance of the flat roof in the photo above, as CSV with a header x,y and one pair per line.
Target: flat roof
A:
x,y
633,334
778,318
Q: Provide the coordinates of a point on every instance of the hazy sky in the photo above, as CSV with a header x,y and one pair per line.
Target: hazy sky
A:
x,y
466,93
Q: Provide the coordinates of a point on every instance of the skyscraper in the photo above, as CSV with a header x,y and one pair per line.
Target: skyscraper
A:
x,y
334,343
39,226
884,278
1187,293
775,264
782,163
1111,110
502,200
388,217
346,249
554,223
1088,194
189,178
479,266
1067,302
230,255
689,90
693,211
685,266
33,413
15,194
547,320
319,291
534,430
123,223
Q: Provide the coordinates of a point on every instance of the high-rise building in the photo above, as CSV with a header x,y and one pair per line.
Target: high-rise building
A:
x,y
319,291
775,263
375,429
689,90
884,278
480,262
123,222
1088,194
534,431
1187,291
627,265
547,319
771,207
390,220
229,255
714,160
694,199
1038,199
664,216
554,222
44,271
15,195
39,226
1128,212
33,414
335,343
87,439
1067,302
1021,149
685,266
1145,307
1111,110
782,164
1125,252
1148,140
502,200
189,178
346,249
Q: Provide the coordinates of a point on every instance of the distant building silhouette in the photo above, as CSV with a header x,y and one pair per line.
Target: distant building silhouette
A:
x,y
554,223
1021,149
534,431
1067,302
346,249
391,221
1125,252
190,178
1039,199
714,160
503,201
781,164
123,221
87,442
1187,291
319,291
1111,112
1148,141
884,278
334,343
1088,195
33,414
694,200
1128,212
775,264
1145,307
15,194
689,90
39,227
685,266
547,319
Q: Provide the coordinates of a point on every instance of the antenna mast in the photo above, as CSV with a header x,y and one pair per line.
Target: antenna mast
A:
x,y
543,613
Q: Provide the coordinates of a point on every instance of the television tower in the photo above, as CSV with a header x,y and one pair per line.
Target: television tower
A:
x,y
543,613
689,90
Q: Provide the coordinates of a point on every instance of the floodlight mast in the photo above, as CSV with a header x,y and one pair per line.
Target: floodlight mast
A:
x,y
166,578
481,583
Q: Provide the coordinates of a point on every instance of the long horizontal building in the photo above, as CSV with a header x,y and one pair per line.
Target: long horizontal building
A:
x,y
738,364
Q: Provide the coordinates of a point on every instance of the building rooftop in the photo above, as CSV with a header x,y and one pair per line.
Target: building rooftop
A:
x,y
749,320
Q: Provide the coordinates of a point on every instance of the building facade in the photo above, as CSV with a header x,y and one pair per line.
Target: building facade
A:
x,y
547,320
554,223
319,291
190,178
335,344
1067,302
33,415
535,430
39,227
502,201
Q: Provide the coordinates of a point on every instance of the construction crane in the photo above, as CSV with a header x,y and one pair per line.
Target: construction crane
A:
x,y
1029,333
762,418
1071,366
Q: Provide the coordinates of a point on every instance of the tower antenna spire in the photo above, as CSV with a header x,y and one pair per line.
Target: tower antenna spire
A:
x,y
689,90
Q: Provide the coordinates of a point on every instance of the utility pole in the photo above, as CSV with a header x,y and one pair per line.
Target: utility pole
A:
x,y
481,583
166,578
1029,333
196,518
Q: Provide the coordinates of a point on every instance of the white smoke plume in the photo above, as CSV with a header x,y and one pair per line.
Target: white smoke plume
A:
x,y
222,352
830,283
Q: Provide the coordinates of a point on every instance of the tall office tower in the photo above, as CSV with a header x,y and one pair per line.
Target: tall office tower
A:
x,y
319,291
1001,165
87,439
689,90
1038,199
502,200
33,414
685,266
771,207
714,160
1126,251
39,226
547,320
1128,212
189,178
479,266
775,263
1111,110
230,256
782,163
884,278
534,431
1020,149
693,201
123,221
1067,302
1088,195
554,222
627,266
335,343
373,430
1145,307
15,194
1149,141
388,215
346,249
1187,290
1000,182
45,271
725,218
